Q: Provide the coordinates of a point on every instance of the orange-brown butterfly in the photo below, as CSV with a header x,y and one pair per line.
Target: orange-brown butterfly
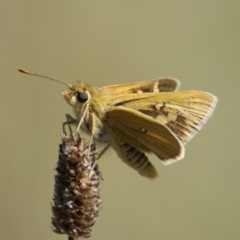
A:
x,y
139,118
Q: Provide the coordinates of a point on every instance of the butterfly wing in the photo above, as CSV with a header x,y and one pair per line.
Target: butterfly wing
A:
x,y
144,133
165,84
184,113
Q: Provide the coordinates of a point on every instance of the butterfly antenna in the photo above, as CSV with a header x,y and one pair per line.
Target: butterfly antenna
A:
x,y
42,76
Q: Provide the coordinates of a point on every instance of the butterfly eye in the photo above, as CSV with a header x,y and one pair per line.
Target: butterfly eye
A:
x,y
82,97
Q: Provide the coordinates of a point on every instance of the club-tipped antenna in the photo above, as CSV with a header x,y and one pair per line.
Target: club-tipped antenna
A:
x,y
42,76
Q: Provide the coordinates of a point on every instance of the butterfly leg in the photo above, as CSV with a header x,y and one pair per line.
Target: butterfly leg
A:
x,y
90,127
98,157
82,118
103,151
69,122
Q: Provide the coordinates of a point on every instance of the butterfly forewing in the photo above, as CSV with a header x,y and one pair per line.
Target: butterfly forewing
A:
x,y
165,84
184,113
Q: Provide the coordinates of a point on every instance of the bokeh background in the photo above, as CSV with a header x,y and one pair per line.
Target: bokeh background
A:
x,y
109,42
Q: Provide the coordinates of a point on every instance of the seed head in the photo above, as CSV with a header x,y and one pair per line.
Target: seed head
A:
x,y
76,194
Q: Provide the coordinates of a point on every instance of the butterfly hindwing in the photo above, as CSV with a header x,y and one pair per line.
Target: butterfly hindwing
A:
x,y
145,131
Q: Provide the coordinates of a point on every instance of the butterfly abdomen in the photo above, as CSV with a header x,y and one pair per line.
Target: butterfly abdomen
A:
x,y
137,160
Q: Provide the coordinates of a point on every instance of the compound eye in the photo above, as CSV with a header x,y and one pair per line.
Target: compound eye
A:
x,y
82,97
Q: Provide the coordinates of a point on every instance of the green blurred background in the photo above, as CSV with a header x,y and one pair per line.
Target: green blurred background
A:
x,y
110,42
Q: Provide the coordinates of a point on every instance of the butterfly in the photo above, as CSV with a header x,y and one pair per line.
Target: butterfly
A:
x,y
140,118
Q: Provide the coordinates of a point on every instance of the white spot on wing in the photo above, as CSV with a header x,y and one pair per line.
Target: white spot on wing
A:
x,y
142,129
